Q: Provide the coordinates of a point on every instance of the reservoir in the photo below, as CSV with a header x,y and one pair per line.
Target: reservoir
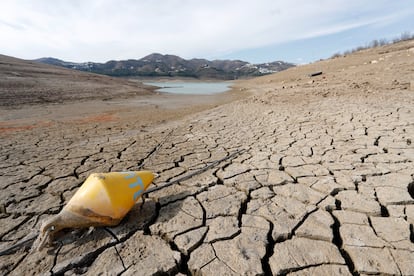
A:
x,y
195,88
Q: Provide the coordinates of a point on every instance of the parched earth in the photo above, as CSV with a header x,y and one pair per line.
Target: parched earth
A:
x,y
321,182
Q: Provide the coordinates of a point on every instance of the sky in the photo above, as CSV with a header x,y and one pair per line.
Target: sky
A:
x,y
257,31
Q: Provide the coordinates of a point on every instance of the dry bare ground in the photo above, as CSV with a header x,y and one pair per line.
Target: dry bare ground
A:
x,y
324,184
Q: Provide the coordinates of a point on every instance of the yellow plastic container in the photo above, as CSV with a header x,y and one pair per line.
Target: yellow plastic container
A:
x,y
102,200
110,194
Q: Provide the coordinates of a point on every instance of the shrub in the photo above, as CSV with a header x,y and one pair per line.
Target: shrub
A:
x,y
376,43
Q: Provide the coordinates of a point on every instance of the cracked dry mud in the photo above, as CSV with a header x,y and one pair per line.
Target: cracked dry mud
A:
x,y
324,187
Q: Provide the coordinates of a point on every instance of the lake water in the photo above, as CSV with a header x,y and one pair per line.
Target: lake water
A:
x,y
196,88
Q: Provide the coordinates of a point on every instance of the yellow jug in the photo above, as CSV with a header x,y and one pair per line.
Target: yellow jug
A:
x,y
102,200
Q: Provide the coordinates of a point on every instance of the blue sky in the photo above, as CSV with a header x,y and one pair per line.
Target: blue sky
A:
x,y
298,31
320,47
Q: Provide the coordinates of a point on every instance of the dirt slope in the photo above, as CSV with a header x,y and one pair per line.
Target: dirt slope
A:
x,y
25,82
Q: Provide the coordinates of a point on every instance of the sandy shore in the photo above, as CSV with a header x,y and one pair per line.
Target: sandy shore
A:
x,y
323,186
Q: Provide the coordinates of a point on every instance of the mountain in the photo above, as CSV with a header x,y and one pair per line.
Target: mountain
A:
x,y
158,65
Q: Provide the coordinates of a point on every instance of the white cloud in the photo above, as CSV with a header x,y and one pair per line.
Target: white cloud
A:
x,y
117,29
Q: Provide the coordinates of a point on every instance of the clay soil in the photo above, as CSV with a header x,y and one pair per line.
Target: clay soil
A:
x,y
320,183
